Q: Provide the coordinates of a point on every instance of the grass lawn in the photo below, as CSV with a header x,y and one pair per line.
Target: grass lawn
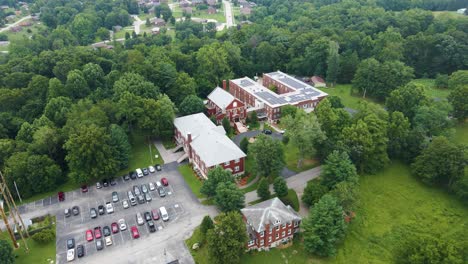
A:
x,y
66,187
291,156
461,133
431,89
191,179
121,33
35,28
218,16
200,255
344,92
290,199
448,14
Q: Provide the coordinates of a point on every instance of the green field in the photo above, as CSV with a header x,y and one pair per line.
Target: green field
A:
x,y
344,92
191,179
219,16
461,133
431,90
291,156
15,36
447,14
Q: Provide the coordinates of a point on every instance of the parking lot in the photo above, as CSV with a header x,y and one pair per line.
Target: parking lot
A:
x,y
164,245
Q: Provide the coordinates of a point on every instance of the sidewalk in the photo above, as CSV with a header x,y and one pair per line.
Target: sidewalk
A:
x,y
167,155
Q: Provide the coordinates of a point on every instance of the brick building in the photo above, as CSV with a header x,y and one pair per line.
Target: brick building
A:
x,y
270,223
267,103
222,104
206,145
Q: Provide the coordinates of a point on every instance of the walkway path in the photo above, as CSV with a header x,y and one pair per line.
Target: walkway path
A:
x,y
250,183
296,182
14,24
228,13
137,23
167,155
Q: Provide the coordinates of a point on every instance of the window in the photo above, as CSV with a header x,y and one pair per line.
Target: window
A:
x,y
283,234
270,231
237,160
277,235
289,231
262,233
226,163
236,169
269,239
234,104
262,242
251,242
277,227
296,223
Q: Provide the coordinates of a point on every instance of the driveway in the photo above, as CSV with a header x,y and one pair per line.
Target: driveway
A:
x,y
228,14
14,24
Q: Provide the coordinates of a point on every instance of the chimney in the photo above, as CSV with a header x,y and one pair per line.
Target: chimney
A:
x,y
224,85
189,140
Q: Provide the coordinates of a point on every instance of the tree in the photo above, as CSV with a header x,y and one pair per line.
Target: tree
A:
x,y
148,23
335,101
6,252
346,194
432,119
421,249
90,155
268,156
253,119
313,192
57,109
184,86
120,145
76,86
44,236
94,75
280,186
244,144
324,227
213,64
441,81
407,99
338,168
458,78
459,100
103,33
215,176
398,135
226,241
333,63
288,110
158,116
441,163
135,84
263,190
206,225
192,104
228,197
227,125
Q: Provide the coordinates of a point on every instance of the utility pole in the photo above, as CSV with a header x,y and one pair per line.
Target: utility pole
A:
x,y
14,213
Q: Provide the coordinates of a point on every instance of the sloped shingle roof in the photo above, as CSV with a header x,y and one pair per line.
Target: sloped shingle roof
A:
x,y
221,97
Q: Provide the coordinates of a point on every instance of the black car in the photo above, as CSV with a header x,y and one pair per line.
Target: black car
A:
x,y
126,177
145,171
267,132
101,209
161,192
147,216
107,231
76,210
113,182
70,243
141,199
158,167
133,175
105,183
80,251
151,226
93,213
99,244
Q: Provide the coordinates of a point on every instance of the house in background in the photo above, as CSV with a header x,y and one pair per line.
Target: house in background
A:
x,y
211,2
270,223
246,10
318,81
159,22
206,145
211,10
222,104
187,10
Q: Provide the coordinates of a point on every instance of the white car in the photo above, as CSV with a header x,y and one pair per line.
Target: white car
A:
x,y
71,254
125,204
108,241
152,169
158,184
139,219
151,186
122,225
109,208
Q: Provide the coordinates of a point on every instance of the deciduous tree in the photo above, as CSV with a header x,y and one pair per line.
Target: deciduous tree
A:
x,y
421,249
280,186
263,190
313,192
215,176
268,155
407,100
192,104
459,100
6,252
228,197
338,168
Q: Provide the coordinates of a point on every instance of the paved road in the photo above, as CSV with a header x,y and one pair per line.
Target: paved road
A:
x,y
137,23
297,182
228,13
14,24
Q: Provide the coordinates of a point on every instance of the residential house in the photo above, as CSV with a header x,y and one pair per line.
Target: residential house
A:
x,y
159,22
318,81
187,10
206,145
222,104
155,30
184,3
211,10
4,7
197,2
246,10
267,103
270,224
211,2
243,3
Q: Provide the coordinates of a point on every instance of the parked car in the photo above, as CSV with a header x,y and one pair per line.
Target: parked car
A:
x,y
125,204
135,233
147,216
155,214
67,212
144,188
164,182
99,244
93,213
97,232
80,251
84,188
109,208
151,169
122,224
108,241
158,184
98,185
106,230
158,167
148,197
151,226
267,132
126,177
139,219
115,197
145,172
162,192
139,173
105,183
113,182
141,199
163,213
76,210
70,243
61,196
114,227
136,190
133,175
151,186
89,235
132,198
71,254
101,209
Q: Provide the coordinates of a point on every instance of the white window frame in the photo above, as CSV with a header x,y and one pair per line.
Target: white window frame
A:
x,y
269,239
289,232
236,169
283,234
262,242
227,163
296,223
262,234
277,235
251,242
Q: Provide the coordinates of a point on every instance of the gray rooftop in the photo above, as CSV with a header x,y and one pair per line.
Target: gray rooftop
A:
x,y
194,124
271,212
221,97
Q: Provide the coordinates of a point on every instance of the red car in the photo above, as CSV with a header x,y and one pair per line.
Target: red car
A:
x,y
89,235
84,188
61,196
97,232
115,228
164,182
155,214
135,233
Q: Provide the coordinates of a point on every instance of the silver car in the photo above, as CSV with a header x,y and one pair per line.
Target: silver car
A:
x,y
125,204
139,219
115,197
122,224
151,186
144,188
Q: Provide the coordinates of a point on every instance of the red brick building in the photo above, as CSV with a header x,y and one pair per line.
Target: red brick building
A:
x,y
267,103
206,145
270,223
222,104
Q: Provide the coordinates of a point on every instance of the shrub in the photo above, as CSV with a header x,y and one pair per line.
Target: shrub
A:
x,y
45,236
